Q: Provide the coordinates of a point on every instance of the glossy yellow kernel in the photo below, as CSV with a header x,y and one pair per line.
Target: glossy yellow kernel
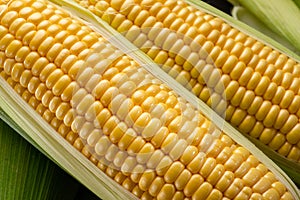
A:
x,y
9,17
111,154
189,154
263,67
287,99
33,84
12,48
137,191
294,153
117,132
162,13
216,173
5,41
216,147
255,105
278,95
287,80
237,71
252,177
262,185
191,187
126,139
148,104
167,192
142,122
254,81
195,165
262,86
277,141
295,85
155,158
133,115
156,186
245,76
242,169
145,153
271,194
281,118
207,167
36,41
267,135
225,181
128,184
234,188
203,191
49,74
173,172
16,24
245,193
295,105
278,76
289,124
270,70
285,148
215,194
231,90
146,180
17,71
25,78
234,161
280,188
224,155
169,142
183,179
8,66
270,91
263,111
238,96
293,136
247,99
271,116
163,165
286,196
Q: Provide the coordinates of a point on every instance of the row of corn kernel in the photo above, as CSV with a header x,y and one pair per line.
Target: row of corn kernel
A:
x,y
257,85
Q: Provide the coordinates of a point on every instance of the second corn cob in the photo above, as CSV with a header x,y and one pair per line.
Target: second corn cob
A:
x,y
127,123
255,87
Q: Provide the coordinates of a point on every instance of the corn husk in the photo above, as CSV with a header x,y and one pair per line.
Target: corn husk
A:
x,y
25,173
282,17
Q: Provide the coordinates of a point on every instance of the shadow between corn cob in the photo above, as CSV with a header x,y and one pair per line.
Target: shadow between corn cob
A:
x,y
130,125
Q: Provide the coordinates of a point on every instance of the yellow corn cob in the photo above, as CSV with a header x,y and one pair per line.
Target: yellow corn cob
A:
x,y
127,123
255,87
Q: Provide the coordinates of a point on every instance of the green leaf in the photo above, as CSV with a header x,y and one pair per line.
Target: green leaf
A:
x,y
280,16
242,14
25,173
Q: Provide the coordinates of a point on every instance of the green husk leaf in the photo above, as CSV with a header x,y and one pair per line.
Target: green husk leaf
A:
x,y
297,2
27,174
282,17
242,14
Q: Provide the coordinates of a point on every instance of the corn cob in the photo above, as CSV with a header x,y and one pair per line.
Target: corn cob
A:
x,y
255,87
129,124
